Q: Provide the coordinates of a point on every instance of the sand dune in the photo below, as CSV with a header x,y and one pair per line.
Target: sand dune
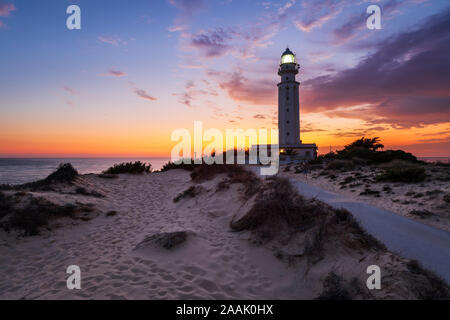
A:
x,y
119,259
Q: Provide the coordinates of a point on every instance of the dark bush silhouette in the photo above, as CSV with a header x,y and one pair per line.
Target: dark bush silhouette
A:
x,y
129,167
184,166
368,149
65,174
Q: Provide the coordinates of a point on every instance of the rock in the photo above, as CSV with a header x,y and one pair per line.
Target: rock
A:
x,y
166,240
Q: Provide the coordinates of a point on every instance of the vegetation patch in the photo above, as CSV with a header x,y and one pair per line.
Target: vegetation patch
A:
x,y
184,166
421,213
403,174
235,173
426,285
336,288
28,214
65,174
340,165
137,167
366,151
279,213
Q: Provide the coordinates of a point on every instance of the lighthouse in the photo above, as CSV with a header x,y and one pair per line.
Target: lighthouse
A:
x,y
291,147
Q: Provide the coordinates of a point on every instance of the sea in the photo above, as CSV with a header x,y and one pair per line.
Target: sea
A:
x,y
22,170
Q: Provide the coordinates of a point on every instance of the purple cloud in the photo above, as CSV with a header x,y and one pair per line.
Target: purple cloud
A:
x,y
6,9
115,73
405,82
144,95
212,44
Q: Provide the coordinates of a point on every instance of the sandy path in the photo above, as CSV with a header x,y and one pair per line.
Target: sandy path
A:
x,y
400,201
215,264
411,239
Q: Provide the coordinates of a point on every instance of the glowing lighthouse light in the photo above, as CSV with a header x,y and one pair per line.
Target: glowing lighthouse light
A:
x,y
288,57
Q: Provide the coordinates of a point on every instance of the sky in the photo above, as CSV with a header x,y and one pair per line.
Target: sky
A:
x,y
138,70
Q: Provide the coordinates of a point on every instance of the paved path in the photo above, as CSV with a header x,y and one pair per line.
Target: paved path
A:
x,y
409,238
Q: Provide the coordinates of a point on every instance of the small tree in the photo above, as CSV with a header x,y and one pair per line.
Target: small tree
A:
x,y
372,144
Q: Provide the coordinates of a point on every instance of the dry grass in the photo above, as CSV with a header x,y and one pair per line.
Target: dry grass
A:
x,y
235,173
29,214
279,212
426,285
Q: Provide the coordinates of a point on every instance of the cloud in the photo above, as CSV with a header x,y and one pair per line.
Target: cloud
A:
x,y
115,73
6,9
70,90
318,13
259,117
115,41
144,95
315,22
195,91
355,23
348,30
212,44
240,88
187,8
404,82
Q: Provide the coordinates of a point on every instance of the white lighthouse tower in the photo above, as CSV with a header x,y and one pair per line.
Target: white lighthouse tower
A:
x,y
291,147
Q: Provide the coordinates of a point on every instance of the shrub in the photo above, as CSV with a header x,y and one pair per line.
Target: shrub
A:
x,y
421,213
279,211
236,174
129,167
32,214
403,174
390,155
334,288
340,165
319,160
431,287
185,166
65,173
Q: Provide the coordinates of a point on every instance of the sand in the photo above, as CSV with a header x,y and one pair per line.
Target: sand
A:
x,y
213,263
217,264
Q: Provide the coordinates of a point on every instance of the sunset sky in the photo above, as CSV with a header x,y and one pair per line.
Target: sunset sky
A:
x,y
138,70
